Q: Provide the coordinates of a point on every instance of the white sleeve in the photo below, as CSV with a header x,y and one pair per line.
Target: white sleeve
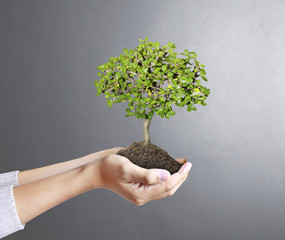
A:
x,y
9,178
9,219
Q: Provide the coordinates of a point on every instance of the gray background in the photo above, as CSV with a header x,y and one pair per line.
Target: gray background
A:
x,y
49,53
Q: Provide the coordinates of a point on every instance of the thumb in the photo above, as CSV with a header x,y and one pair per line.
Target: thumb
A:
x,y
149,176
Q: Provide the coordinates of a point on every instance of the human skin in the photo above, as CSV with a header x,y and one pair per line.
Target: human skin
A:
x,y
44,188
47,171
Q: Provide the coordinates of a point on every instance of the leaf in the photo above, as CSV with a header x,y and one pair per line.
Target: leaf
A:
x,y
193,54
170,74
118,75
99,91
203,72
173,97
125,51
204,78
168,104
134,90
164,68
142,115
109,102
196,90
156,44
101,67
161,114
144,105
171,113
123,69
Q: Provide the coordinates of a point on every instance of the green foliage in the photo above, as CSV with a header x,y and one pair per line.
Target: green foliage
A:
x,y
151,78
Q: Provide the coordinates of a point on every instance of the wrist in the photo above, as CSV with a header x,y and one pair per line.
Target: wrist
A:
x,y
92,174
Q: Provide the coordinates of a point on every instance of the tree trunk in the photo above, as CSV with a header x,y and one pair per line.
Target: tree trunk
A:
x,y
146,131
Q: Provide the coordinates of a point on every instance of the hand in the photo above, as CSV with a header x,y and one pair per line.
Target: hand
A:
x,y
45,189
136,184
104,153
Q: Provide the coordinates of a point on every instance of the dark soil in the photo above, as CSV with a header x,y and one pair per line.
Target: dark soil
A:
x,y
150,156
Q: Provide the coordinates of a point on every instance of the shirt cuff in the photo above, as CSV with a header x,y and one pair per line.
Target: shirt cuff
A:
x,y
9,178
9,221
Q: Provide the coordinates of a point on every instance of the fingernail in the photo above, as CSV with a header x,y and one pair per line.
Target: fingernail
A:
x,y
187,167
163,175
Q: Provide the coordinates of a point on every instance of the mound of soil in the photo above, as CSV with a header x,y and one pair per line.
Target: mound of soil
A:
x,y
150,156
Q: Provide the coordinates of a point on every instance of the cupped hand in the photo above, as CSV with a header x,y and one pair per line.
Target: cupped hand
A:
x,y
139,185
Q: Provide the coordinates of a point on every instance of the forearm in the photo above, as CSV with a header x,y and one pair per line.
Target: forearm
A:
x,y
113,172
47,171
34,198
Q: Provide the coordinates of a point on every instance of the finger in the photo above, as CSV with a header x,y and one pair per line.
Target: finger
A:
x,y
171,192
147,176
181,160
185,168
168,194
167,186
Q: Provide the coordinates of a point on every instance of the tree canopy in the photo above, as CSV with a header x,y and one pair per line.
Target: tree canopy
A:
x,y
152,79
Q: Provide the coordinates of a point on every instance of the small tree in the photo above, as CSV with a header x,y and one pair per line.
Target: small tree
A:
x,y
151,78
